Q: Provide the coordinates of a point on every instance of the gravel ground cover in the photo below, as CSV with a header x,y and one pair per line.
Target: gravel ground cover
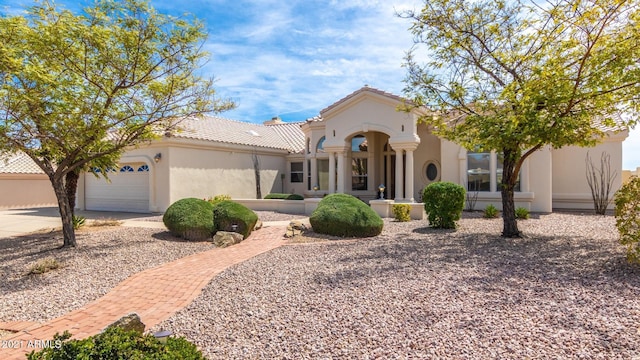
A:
x,y
565,291
104,257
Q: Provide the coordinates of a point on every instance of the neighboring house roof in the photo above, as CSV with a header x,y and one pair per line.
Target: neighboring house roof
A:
x,y
285,136
18,163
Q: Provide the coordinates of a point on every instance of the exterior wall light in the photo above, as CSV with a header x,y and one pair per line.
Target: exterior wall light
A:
x,y
381,188
157,158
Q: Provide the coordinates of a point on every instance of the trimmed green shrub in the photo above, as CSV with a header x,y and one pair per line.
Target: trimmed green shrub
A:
x,y
284,196
190,218
345,215
443,203
228,213
490,212
116,343
402,212
627,201
522,213
216,199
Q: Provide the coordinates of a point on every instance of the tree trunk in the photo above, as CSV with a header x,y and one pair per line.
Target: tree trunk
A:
x,y
71,185
509,178
65,212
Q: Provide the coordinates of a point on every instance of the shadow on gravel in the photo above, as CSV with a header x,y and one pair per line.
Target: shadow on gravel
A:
x,y
573,260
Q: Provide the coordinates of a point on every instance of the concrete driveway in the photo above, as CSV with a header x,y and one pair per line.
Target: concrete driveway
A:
x,y
16,222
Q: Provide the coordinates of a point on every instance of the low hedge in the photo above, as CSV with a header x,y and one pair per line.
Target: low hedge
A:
x,y
443,203
116,343
345,215
281,196
190,219
228,213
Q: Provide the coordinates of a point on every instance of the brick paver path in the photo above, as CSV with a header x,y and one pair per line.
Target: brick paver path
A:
x,y
154,294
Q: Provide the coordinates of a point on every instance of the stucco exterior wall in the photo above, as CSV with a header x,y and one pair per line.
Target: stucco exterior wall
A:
x,y
427,152
203,173
570,187
26,190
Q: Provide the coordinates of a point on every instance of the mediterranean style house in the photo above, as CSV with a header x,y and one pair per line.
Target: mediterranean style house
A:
x,y
359,145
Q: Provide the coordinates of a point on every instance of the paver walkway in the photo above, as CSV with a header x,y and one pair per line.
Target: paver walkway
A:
x,y
154,294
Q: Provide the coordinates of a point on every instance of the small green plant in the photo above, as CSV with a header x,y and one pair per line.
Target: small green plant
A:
x,y
78,222
443,203
627,213
218,198
43,266
490,212
522,213
116,343
402,212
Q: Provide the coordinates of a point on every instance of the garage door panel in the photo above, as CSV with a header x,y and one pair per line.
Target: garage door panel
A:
x,y
126,191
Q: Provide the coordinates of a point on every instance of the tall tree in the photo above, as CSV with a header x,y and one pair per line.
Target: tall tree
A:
x,y
513,77
77,89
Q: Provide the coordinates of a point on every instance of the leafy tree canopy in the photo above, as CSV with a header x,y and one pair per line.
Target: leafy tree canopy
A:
x,y
514,76
77,89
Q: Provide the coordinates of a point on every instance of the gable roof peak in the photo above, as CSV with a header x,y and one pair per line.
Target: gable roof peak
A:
x,y
363,90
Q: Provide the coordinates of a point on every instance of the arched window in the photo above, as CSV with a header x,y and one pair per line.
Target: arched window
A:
x,y
126,168
320,146
143,168
359,144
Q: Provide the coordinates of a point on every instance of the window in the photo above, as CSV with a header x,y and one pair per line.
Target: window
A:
x,y
126,168
359,144
297,172
359,174
478,171
323,174
431,171
320,146
143,168
500,159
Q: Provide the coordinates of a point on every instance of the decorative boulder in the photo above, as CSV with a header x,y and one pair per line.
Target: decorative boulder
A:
x,y
223,239
295,227
232,216
190,219
129,322
345,215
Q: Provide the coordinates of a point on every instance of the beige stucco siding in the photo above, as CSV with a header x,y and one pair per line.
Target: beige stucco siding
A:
x,y
25,190
570,187
203,173
427,152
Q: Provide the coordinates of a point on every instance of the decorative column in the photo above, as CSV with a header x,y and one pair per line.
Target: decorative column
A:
x,y
341,171
314,172
332,172
399,180
408,180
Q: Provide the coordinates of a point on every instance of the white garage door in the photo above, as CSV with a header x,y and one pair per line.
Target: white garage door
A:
x,y
128,190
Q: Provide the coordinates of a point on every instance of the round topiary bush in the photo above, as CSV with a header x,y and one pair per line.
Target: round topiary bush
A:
x,y
443,203
345,215
190,219
228,213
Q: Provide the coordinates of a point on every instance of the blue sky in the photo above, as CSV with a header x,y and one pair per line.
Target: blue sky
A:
x,y
293,58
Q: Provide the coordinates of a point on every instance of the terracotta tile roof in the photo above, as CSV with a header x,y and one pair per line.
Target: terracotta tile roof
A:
x,y
18,163
285,136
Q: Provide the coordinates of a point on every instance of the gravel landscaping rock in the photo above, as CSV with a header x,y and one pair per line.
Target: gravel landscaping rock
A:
x,y
102,259
565,291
